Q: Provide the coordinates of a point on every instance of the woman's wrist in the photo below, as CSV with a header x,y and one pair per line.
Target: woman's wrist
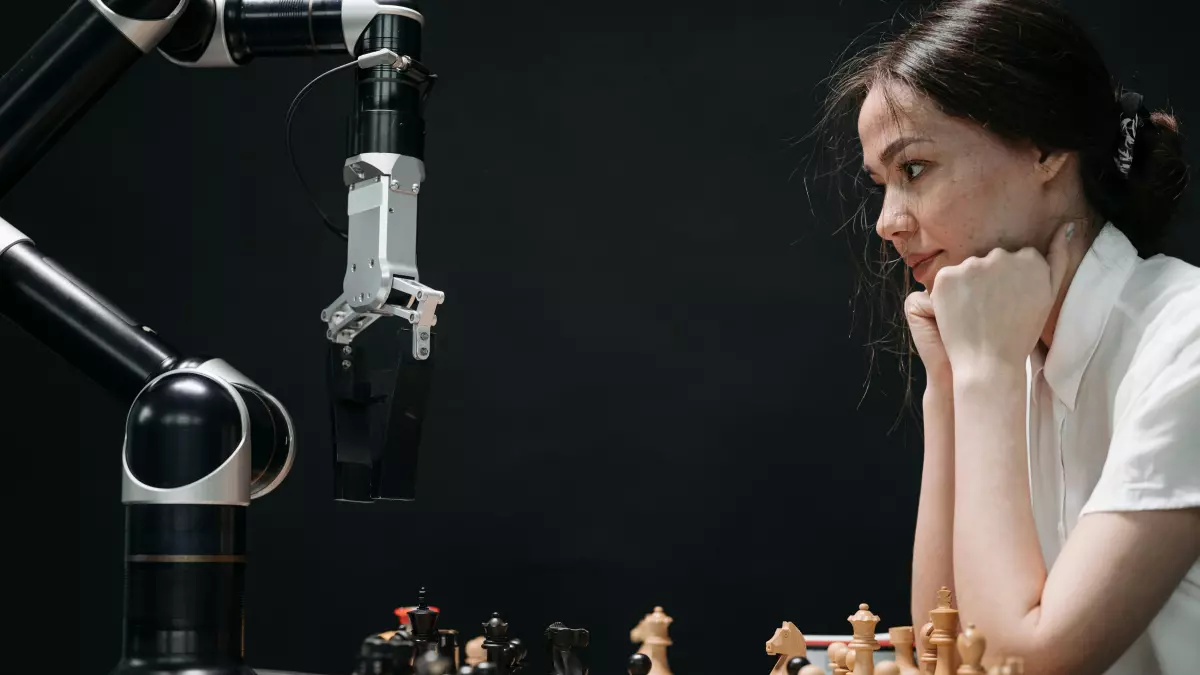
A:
x,y
984,375
939,389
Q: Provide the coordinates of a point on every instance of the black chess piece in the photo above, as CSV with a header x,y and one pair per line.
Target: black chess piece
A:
x,y
432,663
466,669
639,664
485,668
383,657
565,646
795,663
515,653
448,645
495,637
403,644
425,634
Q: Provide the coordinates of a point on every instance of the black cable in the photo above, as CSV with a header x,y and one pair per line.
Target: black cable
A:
x,y
291,113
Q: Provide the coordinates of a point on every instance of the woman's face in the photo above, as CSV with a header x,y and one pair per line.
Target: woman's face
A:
x,y
951,190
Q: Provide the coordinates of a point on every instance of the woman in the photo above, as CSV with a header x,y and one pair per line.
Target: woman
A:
x,y
1060,497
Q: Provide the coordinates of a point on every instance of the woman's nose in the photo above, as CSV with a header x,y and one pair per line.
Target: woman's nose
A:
x,y
894,223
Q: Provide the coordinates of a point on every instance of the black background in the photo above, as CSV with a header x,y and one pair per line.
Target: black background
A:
x,y
648,390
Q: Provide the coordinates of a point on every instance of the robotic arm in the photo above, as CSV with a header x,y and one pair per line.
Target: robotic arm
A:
x,y
202,439
379,381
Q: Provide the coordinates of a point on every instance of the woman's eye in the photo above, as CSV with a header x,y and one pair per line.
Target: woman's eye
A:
x,y
912,170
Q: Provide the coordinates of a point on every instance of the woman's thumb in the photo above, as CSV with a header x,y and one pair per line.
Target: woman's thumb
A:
x,y
919,305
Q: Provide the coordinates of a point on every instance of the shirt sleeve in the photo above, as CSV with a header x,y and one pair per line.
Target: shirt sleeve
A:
x,y
1153,461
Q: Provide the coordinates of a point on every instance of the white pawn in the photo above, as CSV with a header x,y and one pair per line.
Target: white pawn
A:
x,y
887,668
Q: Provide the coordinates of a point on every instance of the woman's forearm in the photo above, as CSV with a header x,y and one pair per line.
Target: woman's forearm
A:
x,y
996,551
933,551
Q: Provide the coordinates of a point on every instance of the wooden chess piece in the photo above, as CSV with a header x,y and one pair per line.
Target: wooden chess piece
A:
x,y
849,660
928,650
887,668
837,658
971,645
787,642
651,631
475,653
1015,665
945,628
864,643
902,640
812,669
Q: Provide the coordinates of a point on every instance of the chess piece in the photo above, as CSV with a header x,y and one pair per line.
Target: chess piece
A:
x,y
485,668
466,669
971,645
423,620
1015,665
837,658
378,656
402,644
448,645
787,642
432,663
796,664
945,627
651,631
506,653
849,660
902,640
515,653
799,665
864,643
887,668
640,664
475,653
928,649
565,646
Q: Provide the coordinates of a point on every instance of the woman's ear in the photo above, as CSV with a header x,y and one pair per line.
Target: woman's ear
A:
x,y
1051,162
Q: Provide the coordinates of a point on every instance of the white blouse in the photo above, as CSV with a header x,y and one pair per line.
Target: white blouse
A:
x,y
1114,420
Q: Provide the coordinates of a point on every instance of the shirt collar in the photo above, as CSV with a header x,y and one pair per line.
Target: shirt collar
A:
x,y
1090,300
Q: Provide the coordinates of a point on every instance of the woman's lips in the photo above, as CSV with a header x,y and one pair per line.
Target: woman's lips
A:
x,y
923,267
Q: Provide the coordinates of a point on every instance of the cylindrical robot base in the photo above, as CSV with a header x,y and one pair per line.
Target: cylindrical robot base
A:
x,y
184,586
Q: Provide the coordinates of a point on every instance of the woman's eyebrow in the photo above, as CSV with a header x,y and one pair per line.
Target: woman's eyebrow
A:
x,y
895,147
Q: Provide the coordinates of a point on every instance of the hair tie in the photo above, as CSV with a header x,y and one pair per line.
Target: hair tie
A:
x,y
1133,117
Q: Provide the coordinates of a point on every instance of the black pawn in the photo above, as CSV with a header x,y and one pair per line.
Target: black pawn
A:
x,y
514,655
466,670
795,663
639,664
485,668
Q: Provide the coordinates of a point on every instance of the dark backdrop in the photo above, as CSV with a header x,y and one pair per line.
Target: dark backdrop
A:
x,y
647,391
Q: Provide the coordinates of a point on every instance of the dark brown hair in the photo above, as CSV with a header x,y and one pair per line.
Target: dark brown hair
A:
x,y
1025,71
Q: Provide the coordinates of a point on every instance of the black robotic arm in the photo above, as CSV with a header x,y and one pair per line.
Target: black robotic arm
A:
x,y
202,439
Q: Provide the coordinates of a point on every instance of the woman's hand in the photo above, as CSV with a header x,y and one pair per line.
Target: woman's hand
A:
x,y
991,311
918,309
